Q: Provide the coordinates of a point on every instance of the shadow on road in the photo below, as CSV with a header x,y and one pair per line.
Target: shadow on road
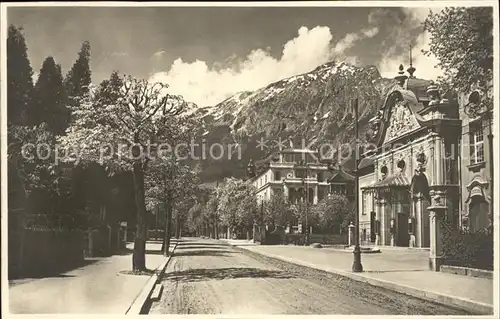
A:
x,y
202,246
197,243
194,275
206,252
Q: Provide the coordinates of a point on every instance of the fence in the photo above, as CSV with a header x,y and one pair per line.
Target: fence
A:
x,y
41,251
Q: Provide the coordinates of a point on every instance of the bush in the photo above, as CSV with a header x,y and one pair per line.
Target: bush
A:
x,y
468,249
295,239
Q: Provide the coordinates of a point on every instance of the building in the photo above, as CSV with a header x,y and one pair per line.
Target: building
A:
x,y
298,174
475,165
412,166
418,169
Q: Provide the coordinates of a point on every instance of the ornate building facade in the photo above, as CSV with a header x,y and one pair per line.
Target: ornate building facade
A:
x,y
422,168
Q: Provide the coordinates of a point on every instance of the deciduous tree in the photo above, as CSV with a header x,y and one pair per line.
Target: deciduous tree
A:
x,y
119,129
461,38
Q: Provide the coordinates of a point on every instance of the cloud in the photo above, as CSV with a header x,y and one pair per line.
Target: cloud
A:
x,y
350,39
119,54
409,33
209,85
158,54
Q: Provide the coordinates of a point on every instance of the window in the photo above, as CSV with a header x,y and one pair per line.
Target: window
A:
x,y
364,203
339,189
277,175
320,176
300,173
476,143
265,179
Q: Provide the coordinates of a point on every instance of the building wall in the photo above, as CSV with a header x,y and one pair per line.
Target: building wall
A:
x,y
365,206
474,218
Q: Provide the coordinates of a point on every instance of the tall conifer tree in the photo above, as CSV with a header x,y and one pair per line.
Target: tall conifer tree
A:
x,y
19,77
78,78
50,99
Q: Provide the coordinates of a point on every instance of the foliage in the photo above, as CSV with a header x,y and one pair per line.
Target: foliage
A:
x,y
78,79
277,211
331,212
462,40
467,249
49,102
19,77
120,125
301,210
171,181
237,203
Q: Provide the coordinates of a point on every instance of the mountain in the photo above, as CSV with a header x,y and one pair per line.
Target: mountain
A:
x,y
312,110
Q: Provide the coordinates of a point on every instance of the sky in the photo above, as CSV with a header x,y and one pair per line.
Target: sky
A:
x,y
208,54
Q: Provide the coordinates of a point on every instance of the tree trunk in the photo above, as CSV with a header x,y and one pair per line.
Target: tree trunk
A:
x,y
168,226
139,256
178,232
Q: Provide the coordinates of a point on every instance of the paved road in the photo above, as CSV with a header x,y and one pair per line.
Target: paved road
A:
x,y
211,277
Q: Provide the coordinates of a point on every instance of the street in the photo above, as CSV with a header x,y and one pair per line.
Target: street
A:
x,y
211,277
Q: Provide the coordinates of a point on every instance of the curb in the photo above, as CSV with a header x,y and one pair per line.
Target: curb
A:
x,y
138,306
465,271
456,302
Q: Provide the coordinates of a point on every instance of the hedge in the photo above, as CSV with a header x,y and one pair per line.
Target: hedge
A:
x,y
468,249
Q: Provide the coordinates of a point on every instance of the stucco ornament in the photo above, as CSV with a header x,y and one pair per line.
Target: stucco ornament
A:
x,y
402,121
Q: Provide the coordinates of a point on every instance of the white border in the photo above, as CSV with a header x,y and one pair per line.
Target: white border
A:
x,y
427,4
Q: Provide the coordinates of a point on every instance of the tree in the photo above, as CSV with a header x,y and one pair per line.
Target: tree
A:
x,y
237,204
49,103
277,211
121,129
462,40
171,188
78,79
19,77
331,212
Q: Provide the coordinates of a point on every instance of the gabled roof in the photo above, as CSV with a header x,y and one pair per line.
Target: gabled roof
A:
x,y
340,176
392,180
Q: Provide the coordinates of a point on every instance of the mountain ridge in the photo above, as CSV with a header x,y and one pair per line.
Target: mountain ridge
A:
x,y
312,109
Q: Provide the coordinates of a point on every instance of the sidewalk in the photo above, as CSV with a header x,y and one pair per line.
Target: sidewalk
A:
x,y
97,288
400,270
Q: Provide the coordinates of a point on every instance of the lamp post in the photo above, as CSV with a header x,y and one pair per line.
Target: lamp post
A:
x,y
303,168
216,235
356,265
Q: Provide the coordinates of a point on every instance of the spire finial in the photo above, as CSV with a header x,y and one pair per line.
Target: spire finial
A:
x,y
401,77
411,69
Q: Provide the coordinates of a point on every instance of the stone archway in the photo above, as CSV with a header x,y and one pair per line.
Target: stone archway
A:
x,y
420,224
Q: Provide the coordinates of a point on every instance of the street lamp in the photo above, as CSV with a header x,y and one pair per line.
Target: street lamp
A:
x,y
356,265
216,214
305,170
475,108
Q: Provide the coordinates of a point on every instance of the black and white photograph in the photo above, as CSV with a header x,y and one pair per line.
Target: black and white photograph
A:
x,y
250,159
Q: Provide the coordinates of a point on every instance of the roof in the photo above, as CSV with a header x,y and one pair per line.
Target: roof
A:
x,y
365,162
419,88
392,180
341,175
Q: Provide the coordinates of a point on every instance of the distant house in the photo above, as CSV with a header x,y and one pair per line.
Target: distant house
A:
x,y
299,174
